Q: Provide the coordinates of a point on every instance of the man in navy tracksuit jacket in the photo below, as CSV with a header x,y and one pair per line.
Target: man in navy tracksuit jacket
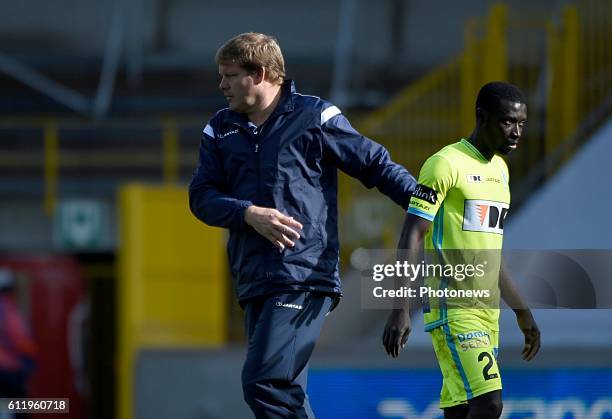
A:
x,y
268,173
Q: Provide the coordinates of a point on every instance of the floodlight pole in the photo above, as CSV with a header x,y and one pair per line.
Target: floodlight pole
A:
x,y
112,56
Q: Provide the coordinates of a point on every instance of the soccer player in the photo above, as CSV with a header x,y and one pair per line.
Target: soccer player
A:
x,y
268,173
460,203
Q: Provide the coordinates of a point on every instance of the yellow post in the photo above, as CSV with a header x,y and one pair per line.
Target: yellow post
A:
x,y
171,286
51,170
588,11
570,61
495,54
553,92
171,154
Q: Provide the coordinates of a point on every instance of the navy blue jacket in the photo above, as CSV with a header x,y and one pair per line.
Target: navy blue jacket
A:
x,y
288,163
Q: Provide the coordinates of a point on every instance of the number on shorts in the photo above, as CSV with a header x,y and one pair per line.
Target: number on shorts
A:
x,y
485,370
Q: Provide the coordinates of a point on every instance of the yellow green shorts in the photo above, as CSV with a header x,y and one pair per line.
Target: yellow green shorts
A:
x,y
467,355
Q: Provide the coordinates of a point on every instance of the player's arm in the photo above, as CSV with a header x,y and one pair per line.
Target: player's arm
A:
x,y
398,325
524,318
436,178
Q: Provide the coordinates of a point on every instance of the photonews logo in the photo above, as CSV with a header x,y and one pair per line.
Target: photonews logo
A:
x,y
484,216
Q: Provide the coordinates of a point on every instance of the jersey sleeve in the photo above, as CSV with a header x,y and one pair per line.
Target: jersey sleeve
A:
x,y
435,180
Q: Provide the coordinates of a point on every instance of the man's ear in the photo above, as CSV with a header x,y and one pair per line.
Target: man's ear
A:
x,y
259,75
482,115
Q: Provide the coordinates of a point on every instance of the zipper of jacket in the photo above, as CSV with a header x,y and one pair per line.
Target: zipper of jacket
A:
x,y
256,132
257,163
254,135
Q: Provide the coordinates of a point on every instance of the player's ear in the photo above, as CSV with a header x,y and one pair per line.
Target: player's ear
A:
x,y
482,115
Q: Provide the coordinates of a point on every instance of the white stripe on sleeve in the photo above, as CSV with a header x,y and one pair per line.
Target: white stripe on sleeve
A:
x,y
208,130
329,113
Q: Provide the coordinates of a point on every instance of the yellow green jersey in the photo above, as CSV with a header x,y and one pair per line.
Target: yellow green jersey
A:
x,y
466,197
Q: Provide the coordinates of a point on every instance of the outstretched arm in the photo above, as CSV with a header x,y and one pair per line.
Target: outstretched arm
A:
x,y
524,318
366,160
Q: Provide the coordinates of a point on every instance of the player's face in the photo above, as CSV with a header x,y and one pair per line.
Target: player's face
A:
x,y
238,87
506,126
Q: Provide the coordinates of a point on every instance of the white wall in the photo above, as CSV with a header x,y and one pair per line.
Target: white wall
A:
x,y
574,209
571,211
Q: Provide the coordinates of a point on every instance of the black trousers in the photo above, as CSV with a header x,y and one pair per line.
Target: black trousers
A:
x,y
282,331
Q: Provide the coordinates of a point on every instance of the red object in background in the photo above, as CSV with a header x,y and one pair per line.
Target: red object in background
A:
x,y
56,290
16,345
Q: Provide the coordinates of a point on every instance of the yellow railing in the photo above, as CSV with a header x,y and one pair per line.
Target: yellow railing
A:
x,y
595,59
563,60
161,150
581,70
424,116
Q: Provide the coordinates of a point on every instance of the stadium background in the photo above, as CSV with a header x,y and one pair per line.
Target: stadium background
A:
x,y
128,296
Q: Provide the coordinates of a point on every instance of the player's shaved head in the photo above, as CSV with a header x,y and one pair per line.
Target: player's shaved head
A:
x,y
492,94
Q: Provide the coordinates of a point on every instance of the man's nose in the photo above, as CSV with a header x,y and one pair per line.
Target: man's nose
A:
x,y
516,131
223,84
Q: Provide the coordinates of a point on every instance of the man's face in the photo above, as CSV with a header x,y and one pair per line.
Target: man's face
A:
x,y
238,87
505,126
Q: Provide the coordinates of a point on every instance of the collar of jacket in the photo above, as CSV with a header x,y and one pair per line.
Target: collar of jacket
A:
x,y
284,105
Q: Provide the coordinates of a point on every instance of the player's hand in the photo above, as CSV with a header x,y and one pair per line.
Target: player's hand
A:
x,y
396,332
273,225
531,332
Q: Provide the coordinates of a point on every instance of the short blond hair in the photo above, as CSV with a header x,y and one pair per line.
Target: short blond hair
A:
x,y
253,51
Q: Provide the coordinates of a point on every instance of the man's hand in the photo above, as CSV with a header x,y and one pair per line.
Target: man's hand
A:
x,y
396,332
273,225
531,331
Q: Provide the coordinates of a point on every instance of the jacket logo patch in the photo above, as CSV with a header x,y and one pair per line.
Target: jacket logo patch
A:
x,y
225,134
425,193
